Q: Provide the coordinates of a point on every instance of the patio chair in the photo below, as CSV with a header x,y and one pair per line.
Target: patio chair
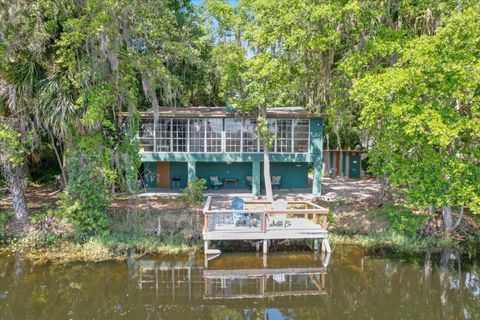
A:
x,y
238,205
276,180
215,182
249,181
279,205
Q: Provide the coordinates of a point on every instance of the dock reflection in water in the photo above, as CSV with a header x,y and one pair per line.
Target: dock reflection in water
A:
x,y
234,277
358,285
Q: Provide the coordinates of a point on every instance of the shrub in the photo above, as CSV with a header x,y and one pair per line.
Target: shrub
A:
x,y
87,198
403,220
192,194
5,216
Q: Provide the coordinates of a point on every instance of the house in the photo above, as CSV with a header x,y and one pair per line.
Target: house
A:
x,y
184,143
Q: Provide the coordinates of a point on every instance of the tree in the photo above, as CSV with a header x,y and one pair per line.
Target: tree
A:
x,y
423,114
253,70
78,73
19,82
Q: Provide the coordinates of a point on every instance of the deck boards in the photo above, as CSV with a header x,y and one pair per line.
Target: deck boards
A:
x,y
296,228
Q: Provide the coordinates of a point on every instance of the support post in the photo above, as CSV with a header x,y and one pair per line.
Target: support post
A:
x,y
326,246
265,247
206,244
256,178
316,245
191,170
317,176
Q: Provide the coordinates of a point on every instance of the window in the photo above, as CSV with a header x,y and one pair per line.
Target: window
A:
x,y
249,140
162,135
300,135
179,135
145,136
206,135
284,135
214,135
233,135
197,135
272,128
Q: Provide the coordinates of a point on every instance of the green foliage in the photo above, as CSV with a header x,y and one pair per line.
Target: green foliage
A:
x,y
403,220
5,216
193,194
87,198
13,149
34,219
38,240
424,117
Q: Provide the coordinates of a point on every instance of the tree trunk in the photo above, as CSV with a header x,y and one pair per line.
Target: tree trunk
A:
x,y
447,219
59,160
16,183
266,172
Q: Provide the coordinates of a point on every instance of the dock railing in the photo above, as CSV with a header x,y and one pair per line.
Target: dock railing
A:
x,y
263,210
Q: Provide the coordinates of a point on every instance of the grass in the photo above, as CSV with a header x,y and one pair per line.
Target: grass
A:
x,y
394,241
4,217
129,231
103,248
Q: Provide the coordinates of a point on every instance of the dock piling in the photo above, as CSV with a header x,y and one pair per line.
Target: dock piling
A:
x,y
326,246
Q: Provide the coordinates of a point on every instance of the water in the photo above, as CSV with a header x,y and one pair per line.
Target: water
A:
x,y
353,285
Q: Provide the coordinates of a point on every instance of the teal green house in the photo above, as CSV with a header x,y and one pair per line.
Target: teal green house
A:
x,y
179,144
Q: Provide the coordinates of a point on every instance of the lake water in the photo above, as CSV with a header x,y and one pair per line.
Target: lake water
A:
x,y
349,284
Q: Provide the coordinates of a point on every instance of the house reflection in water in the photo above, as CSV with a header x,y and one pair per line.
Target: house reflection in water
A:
x,y
189,279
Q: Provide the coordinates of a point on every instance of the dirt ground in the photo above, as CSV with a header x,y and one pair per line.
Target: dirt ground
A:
x,y
39,198
354,204
45,197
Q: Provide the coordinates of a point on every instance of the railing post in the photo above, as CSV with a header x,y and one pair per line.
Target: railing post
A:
x,y
205,222
264,222
325,223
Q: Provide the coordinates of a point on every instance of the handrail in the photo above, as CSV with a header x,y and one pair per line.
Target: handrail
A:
x,y
316,211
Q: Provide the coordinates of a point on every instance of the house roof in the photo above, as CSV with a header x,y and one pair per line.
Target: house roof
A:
x,y
222,112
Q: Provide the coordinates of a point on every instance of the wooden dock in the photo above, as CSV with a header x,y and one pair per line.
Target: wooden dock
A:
x,y
301,220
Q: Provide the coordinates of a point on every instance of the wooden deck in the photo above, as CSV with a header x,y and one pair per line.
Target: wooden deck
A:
x,y
304,220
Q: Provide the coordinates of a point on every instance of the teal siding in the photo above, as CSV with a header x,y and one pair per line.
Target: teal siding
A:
x,y
179,169
316,154
149,174
294,175
223,170
316,136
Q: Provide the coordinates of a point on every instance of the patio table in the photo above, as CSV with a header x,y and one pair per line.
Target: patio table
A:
x,y
233,180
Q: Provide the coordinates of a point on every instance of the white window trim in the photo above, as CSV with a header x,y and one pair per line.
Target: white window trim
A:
x,y
223,143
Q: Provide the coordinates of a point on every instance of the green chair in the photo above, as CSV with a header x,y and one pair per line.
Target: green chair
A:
x,y
276,181
249,181
215,182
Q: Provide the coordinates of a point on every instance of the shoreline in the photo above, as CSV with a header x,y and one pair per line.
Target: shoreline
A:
x,y
114,248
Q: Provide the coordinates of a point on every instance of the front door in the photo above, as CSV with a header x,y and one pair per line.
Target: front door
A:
x,y
354,166
163,174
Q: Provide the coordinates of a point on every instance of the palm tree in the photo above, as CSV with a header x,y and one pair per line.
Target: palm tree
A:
x,y
19,82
